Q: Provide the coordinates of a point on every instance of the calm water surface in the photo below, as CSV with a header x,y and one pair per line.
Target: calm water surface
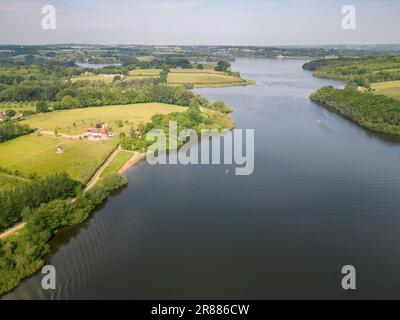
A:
x,y
323,194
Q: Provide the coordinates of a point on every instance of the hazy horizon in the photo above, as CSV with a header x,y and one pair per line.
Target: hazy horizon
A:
x,y
200,22
320,45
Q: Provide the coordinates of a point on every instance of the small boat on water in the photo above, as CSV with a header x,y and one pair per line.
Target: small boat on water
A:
x,y
227,171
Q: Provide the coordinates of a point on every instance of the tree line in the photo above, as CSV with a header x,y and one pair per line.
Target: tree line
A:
x,y
363,71
192,118
32,194
11,129
21,256
376,112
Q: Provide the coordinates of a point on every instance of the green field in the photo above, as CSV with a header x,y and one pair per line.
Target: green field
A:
x,y
390,88
130,78
76,121
107,78
122,157
204,78
142,74
145,72
144,58
196,77
34,154
205,71
137,74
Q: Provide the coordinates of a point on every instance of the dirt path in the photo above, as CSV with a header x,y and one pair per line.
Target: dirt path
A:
x,y
98,173
60,135
12,230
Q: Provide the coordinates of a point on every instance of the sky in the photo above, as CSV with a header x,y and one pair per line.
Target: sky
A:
x,y
200,22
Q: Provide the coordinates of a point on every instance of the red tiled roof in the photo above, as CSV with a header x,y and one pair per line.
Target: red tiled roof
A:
x,y
98,130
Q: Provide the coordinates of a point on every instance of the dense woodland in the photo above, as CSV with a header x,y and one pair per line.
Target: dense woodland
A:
x,y
23,255
376,112
193,118
356,101
50,82
32,194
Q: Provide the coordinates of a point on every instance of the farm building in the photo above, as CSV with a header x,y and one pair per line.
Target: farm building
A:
x,y
103,133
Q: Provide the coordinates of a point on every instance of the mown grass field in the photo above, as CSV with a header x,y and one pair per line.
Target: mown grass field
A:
x,y
34,154
122,157
145,72
204,78
77,121
98,77
137,74
205,71
390,88
144,58
130,78
142,74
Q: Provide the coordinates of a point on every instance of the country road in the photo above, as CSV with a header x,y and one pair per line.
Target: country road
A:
x,y
61,135
98,173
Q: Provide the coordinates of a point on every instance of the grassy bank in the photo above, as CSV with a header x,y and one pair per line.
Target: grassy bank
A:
x,y
118,162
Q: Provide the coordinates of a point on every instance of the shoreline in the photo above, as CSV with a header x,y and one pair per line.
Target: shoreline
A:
x,y
134,160
95,180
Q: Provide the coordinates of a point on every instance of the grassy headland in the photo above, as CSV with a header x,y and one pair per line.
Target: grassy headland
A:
x,y
378,113
370,94
205,78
